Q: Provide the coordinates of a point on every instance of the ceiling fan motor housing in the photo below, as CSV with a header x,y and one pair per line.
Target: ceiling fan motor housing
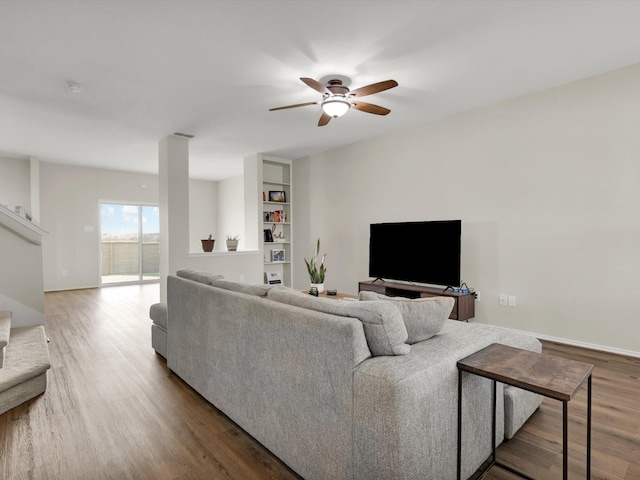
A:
x,y
336,87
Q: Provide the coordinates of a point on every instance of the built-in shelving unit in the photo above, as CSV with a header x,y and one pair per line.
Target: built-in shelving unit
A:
x,y
277,223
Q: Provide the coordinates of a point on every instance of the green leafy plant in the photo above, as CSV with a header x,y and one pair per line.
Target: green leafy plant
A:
x,y
316,273
234,237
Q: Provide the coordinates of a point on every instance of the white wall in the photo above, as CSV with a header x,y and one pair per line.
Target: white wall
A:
x,y
216,208
173,161
547,187
70,201
231,211
15,181
203,214
21,279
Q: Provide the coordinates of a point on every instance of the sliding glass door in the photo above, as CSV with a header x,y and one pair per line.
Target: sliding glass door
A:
x,y
129,243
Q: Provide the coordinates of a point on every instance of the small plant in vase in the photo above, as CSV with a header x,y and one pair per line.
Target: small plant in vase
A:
x,y
316,272
207,244
232,242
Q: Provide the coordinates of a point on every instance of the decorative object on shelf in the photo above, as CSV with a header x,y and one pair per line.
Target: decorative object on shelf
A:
x,y
277,255
276,235
274,278
316,273
207,244
268,235
277,196
232,242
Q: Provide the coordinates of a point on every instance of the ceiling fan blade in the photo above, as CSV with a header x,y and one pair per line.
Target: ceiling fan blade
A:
x,y
370,108
324,119
373,88
315,85
293,106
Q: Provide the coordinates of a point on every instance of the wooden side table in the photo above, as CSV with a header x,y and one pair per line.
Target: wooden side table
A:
x,y
553,377
336,296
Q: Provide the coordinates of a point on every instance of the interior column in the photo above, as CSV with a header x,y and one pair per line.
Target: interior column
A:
x,y
173,172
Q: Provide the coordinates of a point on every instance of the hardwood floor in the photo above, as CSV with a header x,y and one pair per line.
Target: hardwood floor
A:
x,y
615,435
113,410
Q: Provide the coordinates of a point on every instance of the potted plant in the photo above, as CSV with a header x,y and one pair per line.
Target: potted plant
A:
x,y
316,272
232,242
207,243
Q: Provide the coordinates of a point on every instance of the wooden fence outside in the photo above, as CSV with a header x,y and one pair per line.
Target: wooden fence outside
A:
x,y
121,258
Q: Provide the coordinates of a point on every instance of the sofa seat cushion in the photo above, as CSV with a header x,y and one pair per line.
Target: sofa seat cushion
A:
x,y
382,322
198,276
158,313
423,317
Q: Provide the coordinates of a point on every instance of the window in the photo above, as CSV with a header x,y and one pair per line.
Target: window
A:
x,y
130,243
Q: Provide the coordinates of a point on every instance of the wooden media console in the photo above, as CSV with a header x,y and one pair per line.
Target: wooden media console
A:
x,y
463,308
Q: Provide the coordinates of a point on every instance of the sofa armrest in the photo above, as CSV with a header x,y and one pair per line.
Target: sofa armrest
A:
x,y
406,411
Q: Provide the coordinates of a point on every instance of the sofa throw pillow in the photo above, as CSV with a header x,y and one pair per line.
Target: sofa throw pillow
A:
x,y
382,322
248,288
423,317
198,276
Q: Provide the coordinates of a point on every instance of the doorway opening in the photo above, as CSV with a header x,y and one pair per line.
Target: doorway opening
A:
x,y
129,243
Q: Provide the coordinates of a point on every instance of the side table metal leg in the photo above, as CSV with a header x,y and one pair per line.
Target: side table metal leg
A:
x,y
565,451
459,422
589,429
493,423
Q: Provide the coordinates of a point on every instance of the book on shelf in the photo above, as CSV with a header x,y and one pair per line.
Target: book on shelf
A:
x,y
275,216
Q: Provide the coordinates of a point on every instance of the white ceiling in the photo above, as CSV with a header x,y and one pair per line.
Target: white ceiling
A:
x,y
213,68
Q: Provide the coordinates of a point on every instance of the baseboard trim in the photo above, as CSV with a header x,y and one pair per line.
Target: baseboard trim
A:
x,y
577,343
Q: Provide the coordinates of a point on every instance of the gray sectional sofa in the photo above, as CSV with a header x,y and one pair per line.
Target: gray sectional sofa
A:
x,y
330,386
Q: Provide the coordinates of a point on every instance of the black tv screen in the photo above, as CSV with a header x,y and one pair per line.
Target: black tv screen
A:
x,y
421,252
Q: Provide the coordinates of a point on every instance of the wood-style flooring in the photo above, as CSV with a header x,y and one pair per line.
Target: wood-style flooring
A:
x,y
113,410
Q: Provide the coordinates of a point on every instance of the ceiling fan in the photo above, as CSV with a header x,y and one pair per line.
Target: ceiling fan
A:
x,y
337,99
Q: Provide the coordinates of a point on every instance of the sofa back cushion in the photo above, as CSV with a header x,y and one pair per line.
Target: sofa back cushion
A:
x,y
248,288
382,322
423,317
198,276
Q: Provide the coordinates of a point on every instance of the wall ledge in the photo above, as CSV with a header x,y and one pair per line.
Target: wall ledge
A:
x,y
223,254
21,226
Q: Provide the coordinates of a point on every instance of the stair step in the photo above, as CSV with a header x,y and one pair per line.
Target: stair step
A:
x,y
5,332
24,374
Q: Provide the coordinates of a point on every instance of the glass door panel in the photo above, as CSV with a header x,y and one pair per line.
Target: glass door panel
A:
x,y
129,248
150,242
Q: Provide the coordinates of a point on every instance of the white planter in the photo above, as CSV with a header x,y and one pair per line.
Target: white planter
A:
x,y
319,286
232,245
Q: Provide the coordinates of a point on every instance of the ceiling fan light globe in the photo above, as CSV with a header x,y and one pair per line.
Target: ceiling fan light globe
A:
x,y
335,107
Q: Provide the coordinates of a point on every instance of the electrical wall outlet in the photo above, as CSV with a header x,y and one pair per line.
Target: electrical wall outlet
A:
x,y
503,299
477,295
512,300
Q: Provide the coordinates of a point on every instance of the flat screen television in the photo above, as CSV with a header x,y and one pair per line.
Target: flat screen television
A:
x,y
421,252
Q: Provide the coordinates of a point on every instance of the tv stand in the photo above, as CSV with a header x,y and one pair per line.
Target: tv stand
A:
x,y
463,308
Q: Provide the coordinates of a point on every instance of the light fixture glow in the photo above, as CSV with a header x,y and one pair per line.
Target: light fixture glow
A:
x,y
335,106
